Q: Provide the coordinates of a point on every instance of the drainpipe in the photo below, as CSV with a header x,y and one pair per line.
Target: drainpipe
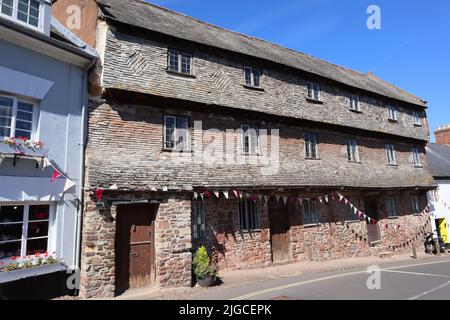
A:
x,y
84,119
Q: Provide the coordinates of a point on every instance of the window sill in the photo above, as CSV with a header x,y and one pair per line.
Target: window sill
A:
x,y
250,231
308,158
419,166
417,125
177,151
393,120
311,225
355,162
250,87
181,74
312,100
355,111
392,165
393,217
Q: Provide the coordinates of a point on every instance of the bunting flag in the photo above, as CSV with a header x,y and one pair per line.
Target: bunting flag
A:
x,y
153,188
260,197
68,184
225,194
266,199
326,198
285,200
217,194
195,196
55,175
320,200
165,189
113,187
277,197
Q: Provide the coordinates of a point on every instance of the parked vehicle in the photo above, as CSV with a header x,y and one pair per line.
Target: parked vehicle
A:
x,y
430,245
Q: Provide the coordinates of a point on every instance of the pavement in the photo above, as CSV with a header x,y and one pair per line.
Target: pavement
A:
x,y
399,277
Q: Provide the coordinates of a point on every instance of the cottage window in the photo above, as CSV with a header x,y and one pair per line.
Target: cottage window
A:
x,y
176,133
313,91
392,113
391,206
24,230
16,117
252,77
354,103
25,11
352,150
310,214
416,118
390,153
415,203
310,145
198,219
249,139
416,156
248,216
180,62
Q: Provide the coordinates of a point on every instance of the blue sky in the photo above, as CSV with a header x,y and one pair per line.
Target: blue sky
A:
x,y
412,49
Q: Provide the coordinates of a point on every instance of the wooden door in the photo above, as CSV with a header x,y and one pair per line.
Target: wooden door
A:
x,y
135,247
279,231
373,230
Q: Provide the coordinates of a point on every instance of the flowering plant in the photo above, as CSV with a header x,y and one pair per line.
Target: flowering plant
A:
x,y
28,262
22,141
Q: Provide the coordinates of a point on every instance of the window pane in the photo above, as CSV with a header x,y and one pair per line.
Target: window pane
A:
x,y
10,249
5,111
256,78
39,213
23,125
36,246
248,76
11,214
26,116
10,232
186,63
5,132
182,133
37,229
5,122
7,7
23,106
173,60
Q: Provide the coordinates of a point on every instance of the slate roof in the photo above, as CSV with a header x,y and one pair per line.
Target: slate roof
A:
x,y
439,160
151,17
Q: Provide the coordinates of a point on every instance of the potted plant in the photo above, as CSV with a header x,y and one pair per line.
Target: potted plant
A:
x,y
205,273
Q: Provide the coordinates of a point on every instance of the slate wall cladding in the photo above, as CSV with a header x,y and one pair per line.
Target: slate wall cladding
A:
x,y
126,148
139,65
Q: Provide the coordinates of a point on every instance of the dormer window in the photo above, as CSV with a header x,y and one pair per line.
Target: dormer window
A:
x,y
28,12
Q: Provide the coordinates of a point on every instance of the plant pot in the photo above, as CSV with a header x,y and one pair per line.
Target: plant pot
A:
x,y
32,272
207,281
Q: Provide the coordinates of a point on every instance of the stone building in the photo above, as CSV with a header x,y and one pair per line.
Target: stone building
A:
x,y
199,135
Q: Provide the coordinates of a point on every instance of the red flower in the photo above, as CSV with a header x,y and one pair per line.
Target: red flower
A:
x,y
46,253
13,258
36,254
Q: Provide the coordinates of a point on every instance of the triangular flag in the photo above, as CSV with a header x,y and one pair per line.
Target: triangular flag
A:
x,y
235,193
326,198
285,200
340,197
240,194
165,189
355,210
346,201
68,184
266,199
55,175
225,193
113,187
195,195
216,193
320,199
260,197
153,188
277,197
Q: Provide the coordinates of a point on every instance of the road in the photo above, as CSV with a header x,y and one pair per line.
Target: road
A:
x,y
415,280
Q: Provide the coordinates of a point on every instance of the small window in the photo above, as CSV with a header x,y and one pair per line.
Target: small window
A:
x,y
252,77
390,153
24,230
416,156
391,206
180,62
313,91
310,214
415,204
352,150
16,118
416,119
392,113
176,133
354,103
248,215
310,145
198,219
249,139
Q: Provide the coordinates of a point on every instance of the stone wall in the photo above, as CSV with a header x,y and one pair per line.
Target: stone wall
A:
x,y
139,65
173,258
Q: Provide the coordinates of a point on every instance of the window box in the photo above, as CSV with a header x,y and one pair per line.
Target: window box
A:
x,y
32,272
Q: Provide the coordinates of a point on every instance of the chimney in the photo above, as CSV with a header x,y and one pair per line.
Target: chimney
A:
x,y
443,135
79,16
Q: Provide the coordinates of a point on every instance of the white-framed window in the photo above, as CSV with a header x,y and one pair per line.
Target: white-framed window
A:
x,y
180,62
354,103
391,206
310,213
18,117
176,133
416,156
198,219
415,203
249,139
25,229
252,76
352,150
390,154
416,118
313,91
248,215
27,12
392,113
311,145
